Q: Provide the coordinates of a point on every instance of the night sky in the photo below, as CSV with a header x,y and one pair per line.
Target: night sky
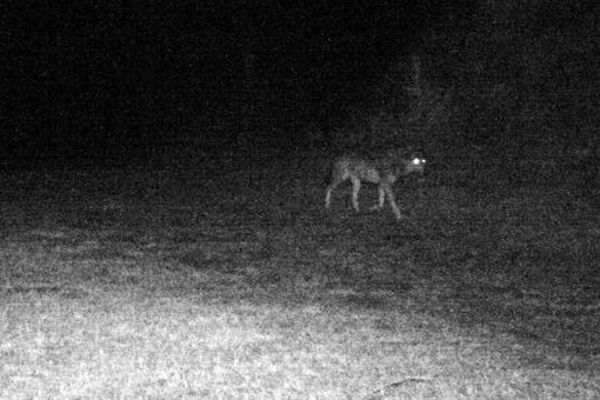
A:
x,y
112,78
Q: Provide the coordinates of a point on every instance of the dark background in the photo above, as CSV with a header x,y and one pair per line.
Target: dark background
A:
x,y
115,82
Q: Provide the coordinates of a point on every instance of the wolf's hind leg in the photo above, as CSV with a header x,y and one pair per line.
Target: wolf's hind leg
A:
x,y
355,190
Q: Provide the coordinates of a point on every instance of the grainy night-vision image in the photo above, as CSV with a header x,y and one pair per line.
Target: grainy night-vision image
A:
x,y
299,200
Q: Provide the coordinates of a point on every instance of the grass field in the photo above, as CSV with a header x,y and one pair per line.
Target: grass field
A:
x,y
235,283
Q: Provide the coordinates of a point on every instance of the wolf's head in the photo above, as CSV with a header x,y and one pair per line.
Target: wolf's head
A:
x,y
415,164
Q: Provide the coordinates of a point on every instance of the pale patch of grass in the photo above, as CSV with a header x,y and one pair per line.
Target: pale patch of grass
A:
x,y
129,347
147,340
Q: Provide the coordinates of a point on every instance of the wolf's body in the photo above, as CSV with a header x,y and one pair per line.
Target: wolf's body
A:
x,y
383,171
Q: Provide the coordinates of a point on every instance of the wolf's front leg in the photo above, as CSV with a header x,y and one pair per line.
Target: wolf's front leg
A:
x,y
392,201
355,190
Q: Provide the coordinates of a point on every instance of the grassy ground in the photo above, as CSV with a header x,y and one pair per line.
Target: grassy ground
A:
x,y
164,284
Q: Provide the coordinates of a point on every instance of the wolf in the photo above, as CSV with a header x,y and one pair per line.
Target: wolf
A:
x,y
383,170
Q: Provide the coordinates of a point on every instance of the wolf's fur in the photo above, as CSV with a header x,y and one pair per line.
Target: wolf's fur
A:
x,y
383,171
